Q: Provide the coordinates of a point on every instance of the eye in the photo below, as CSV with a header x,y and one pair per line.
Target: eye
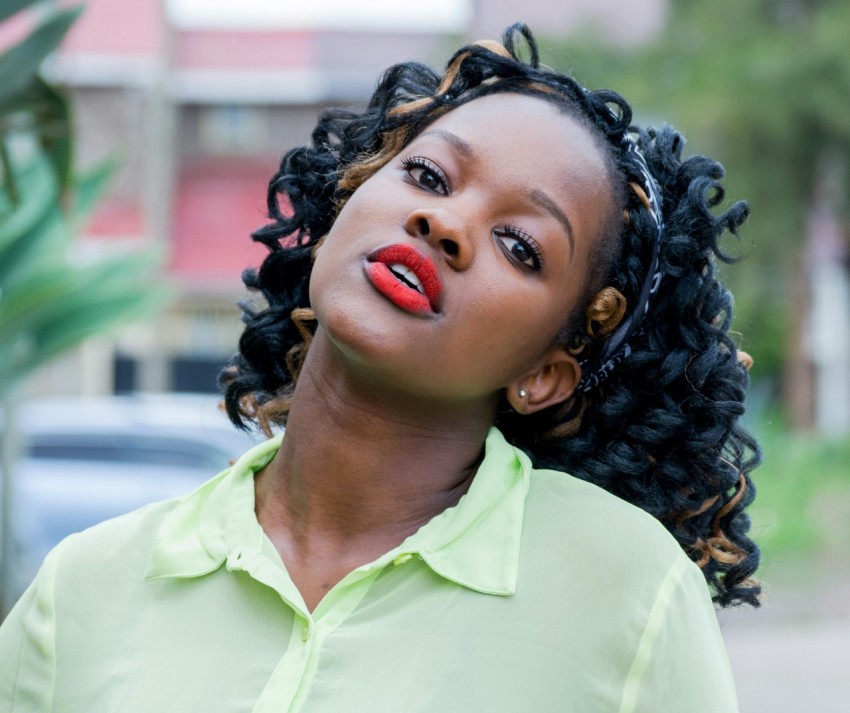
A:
x,y
520,247
424,173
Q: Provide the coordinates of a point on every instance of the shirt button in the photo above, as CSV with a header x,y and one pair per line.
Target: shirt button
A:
x,y
401,559
305,633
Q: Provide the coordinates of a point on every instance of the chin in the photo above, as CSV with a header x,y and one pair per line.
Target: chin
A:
x,y
355,333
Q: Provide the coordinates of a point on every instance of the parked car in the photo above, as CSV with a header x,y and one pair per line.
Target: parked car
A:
x,y
87,460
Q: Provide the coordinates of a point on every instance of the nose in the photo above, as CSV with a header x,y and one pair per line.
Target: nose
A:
x,y
445,232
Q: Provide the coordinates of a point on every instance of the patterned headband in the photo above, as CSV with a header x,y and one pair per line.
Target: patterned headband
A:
x,y
616,348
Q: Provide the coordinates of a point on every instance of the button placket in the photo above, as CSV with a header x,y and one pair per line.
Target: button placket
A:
x,y
291,674
289,685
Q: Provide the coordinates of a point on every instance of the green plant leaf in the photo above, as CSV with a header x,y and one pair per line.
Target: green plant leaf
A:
x,y
10,183
10,7
45,111
42,246
33,232
39,193
47,287
19,64
58,305
89,187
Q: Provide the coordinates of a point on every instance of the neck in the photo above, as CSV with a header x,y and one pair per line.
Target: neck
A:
x,y
360,468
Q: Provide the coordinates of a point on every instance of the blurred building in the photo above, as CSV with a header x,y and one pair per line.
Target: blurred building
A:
x,y
198,99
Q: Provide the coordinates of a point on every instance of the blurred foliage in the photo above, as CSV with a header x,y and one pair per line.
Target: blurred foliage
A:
x,y
803,504
50,298
28,104
763,87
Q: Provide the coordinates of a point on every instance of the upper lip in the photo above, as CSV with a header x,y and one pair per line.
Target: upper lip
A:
x,y
419,263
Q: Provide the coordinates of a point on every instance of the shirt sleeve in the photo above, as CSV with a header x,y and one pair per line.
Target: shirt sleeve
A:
x,y
27,651
681,662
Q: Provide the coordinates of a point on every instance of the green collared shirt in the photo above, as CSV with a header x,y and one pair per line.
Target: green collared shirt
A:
x,y
536,592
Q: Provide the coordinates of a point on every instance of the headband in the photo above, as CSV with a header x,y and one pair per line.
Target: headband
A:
x,y
616,348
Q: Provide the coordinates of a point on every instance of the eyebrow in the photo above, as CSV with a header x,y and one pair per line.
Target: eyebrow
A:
x,y
536,196
457,143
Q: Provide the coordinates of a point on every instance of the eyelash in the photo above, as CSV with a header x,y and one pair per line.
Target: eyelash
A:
x,y
413,162
508,231
527,241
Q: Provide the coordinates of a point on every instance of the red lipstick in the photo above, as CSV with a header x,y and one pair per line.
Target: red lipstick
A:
x,y
406,277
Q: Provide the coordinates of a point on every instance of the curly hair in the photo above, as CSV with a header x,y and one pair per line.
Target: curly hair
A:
x,y
661,430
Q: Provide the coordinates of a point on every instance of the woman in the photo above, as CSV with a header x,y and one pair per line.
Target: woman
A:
x,y
498,285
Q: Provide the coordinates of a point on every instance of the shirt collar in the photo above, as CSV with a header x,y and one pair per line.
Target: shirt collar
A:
x,y
214,523
474,543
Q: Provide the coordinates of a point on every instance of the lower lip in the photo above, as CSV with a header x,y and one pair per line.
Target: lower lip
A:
x,y
396,291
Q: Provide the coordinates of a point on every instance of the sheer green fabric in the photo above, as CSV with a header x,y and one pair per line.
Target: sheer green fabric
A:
x,y
536,592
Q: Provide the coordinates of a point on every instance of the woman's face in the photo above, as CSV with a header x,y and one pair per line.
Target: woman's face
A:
x,y
449,272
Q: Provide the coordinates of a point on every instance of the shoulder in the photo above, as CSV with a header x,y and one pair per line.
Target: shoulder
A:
x,y
121,544
559,504
83,579
574,531
598,570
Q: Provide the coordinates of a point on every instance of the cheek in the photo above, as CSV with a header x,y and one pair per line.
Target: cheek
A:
x,y
334,272
513,330
339,249
375,200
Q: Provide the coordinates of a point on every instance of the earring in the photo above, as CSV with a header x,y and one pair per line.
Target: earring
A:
x,y
523,393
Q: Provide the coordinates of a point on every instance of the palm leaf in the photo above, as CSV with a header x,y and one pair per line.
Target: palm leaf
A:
x,y
33,233
44,111
36,232
10,7
19,64
60,307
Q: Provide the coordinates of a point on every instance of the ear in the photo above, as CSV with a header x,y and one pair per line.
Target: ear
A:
x,y
552,381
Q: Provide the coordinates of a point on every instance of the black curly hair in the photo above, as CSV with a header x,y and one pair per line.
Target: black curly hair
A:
x,y
661,430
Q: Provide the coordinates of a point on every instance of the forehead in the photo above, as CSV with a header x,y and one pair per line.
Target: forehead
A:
x,y
528,132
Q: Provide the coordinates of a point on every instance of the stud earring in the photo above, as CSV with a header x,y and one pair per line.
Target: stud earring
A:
x,y
523,393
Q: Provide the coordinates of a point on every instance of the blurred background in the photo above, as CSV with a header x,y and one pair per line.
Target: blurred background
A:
x,y
136,140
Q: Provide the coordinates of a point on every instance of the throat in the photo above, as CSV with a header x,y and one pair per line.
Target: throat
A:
x,y
327,521
346,498
359,463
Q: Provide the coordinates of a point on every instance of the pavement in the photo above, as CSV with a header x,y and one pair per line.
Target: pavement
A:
x,y
792,655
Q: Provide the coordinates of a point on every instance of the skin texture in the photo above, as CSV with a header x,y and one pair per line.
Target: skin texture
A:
x,y
392,406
